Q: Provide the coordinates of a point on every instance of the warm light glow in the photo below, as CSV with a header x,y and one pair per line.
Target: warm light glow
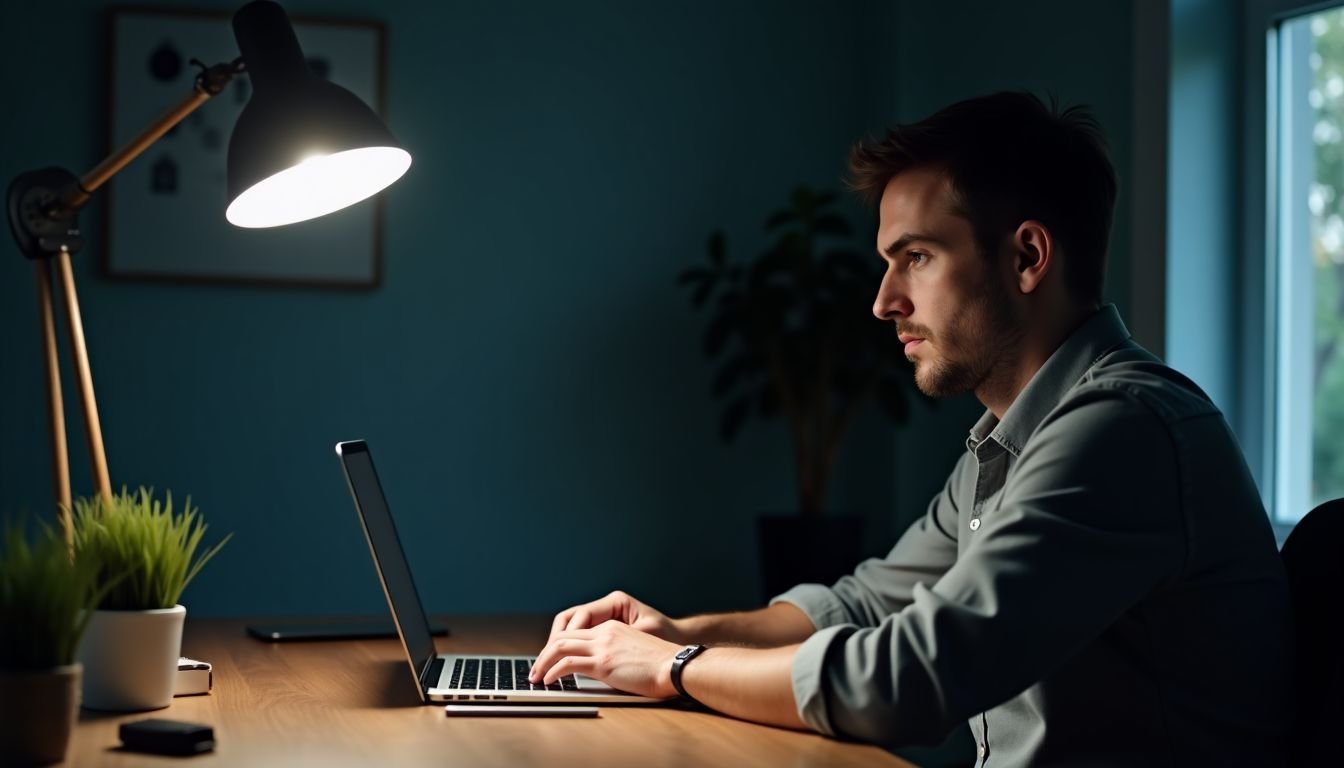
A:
x,y
318,186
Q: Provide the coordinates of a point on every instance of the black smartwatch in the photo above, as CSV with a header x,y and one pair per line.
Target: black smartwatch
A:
x,y
684,656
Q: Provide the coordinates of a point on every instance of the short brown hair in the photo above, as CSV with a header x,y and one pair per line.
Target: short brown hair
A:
x,y
1010,158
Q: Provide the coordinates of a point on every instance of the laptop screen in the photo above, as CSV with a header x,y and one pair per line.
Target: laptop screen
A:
x,y
389,559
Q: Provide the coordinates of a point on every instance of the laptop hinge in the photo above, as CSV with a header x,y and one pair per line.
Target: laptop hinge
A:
x,y
430,677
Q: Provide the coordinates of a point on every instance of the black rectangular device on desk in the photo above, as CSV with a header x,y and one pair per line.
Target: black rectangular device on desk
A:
x,y
354,629
166,737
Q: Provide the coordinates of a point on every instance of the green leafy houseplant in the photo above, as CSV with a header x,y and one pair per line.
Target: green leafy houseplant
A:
x,y
143,538
793,333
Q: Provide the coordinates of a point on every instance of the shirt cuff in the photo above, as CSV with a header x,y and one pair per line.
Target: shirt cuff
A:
x,y
807,675
818,602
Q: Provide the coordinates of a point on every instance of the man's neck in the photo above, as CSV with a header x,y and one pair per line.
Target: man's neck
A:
x,y
1000,389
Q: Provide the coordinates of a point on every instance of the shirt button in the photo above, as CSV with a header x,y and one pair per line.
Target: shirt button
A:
x,y
975,524
980,752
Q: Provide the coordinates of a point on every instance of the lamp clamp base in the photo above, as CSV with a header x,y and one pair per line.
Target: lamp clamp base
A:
x,y
41,226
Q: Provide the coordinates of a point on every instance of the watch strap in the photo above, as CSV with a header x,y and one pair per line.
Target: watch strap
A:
x,y
682,658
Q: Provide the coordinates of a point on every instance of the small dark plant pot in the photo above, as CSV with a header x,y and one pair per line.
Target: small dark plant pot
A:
x,y
37,712
801,550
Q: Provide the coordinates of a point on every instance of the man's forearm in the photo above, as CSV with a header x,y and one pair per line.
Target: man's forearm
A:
x,y
748,683
778,625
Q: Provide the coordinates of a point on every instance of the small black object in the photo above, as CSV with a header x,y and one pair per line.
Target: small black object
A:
x,y
167,737
339,630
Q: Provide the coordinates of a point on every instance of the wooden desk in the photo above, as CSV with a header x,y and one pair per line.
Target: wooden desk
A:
x,y
353,702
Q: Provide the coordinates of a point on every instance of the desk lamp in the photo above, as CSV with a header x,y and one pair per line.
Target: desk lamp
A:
x,y
302,148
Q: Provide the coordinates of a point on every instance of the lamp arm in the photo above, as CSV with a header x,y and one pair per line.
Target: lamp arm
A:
x,y
43,207
210,81
43,203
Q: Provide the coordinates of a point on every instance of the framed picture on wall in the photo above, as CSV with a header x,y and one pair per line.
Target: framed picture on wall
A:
x,y
165,211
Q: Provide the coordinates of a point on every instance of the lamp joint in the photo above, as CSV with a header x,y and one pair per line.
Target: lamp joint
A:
x,y
213,80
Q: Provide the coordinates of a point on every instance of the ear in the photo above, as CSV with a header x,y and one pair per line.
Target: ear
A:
x,y
1034,255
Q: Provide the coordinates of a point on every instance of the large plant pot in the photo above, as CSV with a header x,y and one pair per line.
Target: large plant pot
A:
x,y
130,658
800,550
37,712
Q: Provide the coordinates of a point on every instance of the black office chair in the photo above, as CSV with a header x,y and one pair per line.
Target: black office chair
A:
x,y
1314,558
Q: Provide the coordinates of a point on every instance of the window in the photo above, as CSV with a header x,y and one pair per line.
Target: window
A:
x,y
1306,245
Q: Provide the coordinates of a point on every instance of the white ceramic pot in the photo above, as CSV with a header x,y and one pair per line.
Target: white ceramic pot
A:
x,y
130,658
37,713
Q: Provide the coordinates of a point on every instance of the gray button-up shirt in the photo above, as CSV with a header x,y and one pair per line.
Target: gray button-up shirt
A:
x,y
1097,584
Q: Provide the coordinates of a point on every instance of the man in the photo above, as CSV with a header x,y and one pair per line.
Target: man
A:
x,y
1097,584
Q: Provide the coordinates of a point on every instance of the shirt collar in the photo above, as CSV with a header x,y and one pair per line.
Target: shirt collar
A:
x,y
1098,335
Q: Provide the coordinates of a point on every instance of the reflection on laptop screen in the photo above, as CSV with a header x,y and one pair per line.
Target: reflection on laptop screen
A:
x,y
388,556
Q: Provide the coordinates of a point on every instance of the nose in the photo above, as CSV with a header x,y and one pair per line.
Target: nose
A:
x,y
893,301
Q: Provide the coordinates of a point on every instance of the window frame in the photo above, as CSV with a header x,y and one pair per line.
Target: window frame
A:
x,y
1266,411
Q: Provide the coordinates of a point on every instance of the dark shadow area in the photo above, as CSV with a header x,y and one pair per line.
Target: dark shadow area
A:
x,y
392,688
1311,558
125,751
95,715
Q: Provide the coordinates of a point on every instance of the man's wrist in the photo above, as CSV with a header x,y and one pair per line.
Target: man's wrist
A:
x,y
684,657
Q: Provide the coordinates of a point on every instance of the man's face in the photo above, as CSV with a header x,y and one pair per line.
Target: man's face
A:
x,y
951,305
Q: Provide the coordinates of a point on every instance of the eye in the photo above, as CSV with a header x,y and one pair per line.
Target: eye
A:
x,y
916,257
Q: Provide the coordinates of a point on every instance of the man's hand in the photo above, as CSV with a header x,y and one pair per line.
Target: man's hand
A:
x,y
615,652
619,607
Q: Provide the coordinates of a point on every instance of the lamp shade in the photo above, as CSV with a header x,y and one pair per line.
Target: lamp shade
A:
x,y
302,147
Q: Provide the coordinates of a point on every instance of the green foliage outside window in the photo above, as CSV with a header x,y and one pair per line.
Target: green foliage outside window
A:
x,y
1326,201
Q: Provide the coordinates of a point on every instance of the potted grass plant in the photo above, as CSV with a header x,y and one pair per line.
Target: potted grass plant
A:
x,y
43,599
134,638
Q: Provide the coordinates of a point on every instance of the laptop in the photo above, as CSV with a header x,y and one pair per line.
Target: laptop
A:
x,y
474,678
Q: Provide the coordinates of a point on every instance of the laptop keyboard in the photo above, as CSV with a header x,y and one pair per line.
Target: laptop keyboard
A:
x,y
502,675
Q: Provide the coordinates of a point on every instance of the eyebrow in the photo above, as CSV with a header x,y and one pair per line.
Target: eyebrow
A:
x,y
908,239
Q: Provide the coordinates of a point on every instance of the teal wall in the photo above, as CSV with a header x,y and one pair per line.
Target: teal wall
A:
x,y
529,374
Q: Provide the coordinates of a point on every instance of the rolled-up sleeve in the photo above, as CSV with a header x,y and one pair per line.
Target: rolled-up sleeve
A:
x,y
878,588
1089,523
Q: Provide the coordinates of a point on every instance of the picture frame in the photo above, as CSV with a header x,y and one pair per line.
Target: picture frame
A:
x,y
164,213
